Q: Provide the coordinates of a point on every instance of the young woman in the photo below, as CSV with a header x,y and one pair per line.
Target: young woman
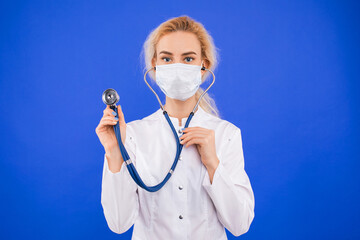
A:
x,y
209,189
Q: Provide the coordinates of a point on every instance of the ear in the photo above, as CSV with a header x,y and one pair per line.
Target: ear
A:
x,y
153,62
205,64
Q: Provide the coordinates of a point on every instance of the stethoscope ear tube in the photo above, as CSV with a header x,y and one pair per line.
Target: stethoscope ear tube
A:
x,y
110,97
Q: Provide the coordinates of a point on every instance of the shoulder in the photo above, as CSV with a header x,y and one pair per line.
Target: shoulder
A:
x,y
145,121
227,127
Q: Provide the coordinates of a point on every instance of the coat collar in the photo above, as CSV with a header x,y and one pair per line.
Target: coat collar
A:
x,y
199,115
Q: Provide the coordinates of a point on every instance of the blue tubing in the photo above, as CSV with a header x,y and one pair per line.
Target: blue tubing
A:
x,y
131,168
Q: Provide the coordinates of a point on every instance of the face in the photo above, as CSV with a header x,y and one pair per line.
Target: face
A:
x,y
179,47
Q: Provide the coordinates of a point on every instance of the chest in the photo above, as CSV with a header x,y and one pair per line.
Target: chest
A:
x,y
156,148
155,154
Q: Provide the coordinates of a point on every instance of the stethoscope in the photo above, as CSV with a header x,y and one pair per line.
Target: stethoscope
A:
x,y
110,97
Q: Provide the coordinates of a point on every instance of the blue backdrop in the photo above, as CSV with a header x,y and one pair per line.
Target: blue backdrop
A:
x,y
288,77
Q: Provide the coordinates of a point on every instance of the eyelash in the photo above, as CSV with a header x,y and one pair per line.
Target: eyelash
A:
x,y
184,58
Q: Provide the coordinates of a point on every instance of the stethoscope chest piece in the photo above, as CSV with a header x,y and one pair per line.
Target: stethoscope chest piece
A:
x,y
110,97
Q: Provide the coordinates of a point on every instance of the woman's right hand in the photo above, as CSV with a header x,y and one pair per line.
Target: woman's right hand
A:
x,y
105,129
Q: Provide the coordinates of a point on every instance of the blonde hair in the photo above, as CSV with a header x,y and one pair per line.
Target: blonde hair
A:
x,y
208,52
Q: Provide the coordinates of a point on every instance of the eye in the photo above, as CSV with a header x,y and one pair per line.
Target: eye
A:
x,y
188,59
164,58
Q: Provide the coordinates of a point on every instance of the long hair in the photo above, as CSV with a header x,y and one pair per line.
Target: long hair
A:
x,y
208,52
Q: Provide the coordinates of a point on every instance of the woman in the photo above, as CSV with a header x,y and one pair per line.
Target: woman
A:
x,y
209,189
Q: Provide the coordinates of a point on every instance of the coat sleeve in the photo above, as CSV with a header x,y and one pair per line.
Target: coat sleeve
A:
x,y
230,189
119,195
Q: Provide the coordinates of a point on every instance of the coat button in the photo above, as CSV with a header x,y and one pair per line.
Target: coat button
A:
x,y
181,217
179,131
181,187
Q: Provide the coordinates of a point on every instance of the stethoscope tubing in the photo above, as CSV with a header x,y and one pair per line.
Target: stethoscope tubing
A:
x,y
129,164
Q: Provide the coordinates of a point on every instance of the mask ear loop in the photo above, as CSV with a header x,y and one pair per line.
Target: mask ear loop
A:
x,y
162,107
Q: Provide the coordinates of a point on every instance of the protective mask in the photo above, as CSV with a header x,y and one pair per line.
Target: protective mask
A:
x,y
178,80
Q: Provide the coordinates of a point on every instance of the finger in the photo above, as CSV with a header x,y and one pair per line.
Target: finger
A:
x,y
192,133
194,141
189,138
107,107
189,135
109,112
110,118
108,122
121,115
191,129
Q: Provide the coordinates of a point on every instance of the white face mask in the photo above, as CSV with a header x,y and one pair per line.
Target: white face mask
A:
x,y
178,80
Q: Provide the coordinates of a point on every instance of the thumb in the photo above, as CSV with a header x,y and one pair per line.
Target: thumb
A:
x,y
121,115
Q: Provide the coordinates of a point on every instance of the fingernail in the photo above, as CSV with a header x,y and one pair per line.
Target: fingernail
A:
x,y
116,118
114,113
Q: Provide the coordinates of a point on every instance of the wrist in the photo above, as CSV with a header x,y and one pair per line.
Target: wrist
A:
x,y
211,167
112,149
113,154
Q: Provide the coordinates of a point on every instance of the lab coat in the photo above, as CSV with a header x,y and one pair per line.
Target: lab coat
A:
x,y
188,206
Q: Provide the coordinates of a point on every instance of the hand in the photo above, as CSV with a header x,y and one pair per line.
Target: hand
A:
x,y
105,129
204,139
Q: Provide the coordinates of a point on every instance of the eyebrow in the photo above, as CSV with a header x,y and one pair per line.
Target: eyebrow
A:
x,y
187,53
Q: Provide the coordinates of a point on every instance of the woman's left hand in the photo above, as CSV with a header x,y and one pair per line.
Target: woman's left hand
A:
x,y
204,139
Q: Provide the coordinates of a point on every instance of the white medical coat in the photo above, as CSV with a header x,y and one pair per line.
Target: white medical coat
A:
x,y
188,206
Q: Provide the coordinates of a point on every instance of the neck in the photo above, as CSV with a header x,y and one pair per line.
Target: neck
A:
x,y
179,109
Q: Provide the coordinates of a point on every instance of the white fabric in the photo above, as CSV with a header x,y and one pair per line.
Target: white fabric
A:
x,y
205,208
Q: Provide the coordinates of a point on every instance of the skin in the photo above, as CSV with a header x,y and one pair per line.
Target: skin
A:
x,y
171,49
176,43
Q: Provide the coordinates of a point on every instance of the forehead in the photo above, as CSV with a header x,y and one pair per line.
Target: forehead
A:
x,y
179,42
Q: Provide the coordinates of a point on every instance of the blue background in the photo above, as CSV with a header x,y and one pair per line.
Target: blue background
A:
x,y
288,77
